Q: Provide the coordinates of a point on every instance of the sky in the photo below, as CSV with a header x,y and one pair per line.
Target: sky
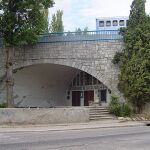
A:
x,y
83,13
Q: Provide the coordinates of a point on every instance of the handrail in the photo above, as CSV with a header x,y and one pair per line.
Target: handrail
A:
x,y
99,35
80,36
81,32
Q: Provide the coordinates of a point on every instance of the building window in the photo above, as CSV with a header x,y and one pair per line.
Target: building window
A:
x,y
101,23
86,79
78,81
74,82
90,80
115,23
121,23
108,23
94,81
81,78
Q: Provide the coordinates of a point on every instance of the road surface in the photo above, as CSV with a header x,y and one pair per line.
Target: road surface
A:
x,y
123,138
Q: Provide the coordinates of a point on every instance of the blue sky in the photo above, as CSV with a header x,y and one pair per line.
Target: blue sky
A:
x,y
82,13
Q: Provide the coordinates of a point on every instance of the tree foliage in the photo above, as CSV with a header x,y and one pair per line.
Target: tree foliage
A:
x,y
134,60
79,31
21,22
57,22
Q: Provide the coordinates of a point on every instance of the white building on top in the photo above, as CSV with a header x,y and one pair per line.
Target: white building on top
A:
x,y
111,23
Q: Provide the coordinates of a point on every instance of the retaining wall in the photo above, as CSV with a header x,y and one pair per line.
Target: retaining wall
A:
x,y
43,115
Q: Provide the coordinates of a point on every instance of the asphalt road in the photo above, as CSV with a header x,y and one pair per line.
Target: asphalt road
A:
x,y
125,138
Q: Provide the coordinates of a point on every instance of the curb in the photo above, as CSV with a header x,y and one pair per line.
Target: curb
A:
x,y
67,128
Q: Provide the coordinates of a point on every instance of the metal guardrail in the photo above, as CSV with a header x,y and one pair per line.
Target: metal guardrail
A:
x,y
80,36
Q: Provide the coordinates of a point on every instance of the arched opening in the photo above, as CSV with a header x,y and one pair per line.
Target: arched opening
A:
x,y
50,85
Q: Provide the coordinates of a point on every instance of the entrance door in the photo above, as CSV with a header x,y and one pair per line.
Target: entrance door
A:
x,y
75,98
88,96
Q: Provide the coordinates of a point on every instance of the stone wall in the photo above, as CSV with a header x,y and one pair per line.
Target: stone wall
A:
x,y
43,116
93,57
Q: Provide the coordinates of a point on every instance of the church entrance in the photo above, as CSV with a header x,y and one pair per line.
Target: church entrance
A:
x,y
87,90
80,97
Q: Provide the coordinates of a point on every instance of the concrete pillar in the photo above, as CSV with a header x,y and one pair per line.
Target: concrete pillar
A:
x,y
82,98
108,96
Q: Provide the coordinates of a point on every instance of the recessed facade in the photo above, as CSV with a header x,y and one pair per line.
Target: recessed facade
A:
x,y
49,85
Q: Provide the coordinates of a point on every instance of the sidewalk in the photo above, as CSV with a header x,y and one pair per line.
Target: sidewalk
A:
x,y
70,126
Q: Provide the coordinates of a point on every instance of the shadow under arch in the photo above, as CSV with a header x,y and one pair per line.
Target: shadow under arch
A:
x,y
35,79
73,64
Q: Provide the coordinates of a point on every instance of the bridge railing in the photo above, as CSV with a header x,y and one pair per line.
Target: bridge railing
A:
x,y
80,36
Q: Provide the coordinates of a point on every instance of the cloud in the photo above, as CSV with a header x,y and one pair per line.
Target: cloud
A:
x,y
81,13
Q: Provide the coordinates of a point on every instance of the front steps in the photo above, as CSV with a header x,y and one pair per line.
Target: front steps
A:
x,y
99,113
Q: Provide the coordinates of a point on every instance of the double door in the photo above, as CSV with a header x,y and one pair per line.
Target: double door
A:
x,y
88,96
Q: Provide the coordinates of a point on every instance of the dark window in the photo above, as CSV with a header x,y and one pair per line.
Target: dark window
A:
x,y
101,23
108,23
81,78
94,81
103,95
115,23
86,79
78,80
121,23
74,82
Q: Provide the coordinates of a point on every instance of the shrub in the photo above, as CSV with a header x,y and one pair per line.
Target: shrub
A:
x,y
115,106
126,110
119,109
3,105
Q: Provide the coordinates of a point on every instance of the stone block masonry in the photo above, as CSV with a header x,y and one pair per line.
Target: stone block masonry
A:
x,y
93,57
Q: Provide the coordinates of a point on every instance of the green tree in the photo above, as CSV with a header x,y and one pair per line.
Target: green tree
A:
x,y
137,13
78,31
21,23
45,12
134,60
57,22
85,30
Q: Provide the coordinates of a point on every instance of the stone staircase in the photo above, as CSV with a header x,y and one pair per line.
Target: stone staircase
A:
x,y
99,113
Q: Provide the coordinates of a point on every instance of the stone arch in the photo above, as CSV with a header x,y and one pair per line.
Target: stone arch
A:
x,y
93,57
35,80
74,65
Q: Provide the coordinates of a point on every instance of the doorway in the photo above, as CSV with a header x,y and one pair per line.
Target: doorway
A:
x,y
75,98
88,96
